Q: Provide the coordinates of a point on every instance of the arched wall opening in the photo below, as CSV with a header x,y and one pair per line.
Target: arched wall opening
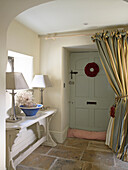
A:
x,y
8,11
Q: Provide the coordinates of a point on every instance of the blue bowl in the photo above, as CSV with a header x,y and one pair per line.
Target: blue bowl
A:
x,y
30,111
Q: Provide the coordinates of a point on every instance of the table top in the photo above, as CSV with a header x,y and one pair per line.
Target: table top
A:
x,y
30,120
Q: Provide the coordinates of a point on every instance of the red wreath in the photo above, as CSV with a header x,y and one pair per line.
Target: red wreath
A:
x,y
88,71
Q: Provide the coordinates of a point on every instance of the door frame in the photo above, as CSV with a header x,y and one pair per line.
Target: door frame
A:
x,y
65,90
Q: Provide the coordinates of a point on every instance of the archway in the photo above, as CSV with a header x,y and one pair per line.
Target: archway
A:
x,y
8,11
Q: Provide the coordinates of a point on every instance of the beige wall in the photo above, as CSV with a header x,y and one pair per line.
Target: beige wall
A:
x,y
8,11
3,60
54,62
65,88
23,40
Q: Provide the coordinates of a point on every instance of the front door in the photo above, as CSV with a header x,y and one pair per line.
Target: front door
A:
x,y
90,97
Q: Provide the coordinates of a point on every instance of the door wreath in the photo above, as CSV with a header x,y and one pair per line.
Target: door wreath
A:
x,y
91,69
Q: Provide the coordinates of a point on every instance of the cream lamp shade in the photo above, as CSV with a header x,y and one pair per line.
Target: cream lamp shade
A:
x,y
41,81
15,81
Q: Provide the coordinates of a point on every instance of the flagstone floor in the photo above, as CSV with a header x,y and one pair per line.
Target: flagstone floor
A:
x,y
73,154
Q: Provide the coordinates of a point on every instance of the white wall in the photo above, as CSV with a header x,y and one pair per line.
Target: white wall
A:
x,y
52,63
8,11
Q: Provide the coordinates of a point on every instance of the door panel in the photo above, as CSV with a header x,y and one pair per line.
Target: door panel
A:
x,y
101,118
106,91
82,118
82,87
81,63
90,97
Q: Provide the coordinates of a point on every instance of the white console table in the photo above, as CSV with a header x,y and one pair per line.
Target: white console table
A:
x,y
23,137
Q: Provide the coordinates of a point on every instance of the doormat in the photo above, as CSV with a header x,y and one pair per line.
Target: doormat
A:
x,y
87,134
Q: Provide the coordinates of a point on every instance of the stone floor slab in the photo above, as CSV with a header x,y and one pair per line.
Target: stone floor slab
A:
x,y
62,164
98,157
98,146
66,152
73,154
42,149
38,161
75,142
20,167
120,163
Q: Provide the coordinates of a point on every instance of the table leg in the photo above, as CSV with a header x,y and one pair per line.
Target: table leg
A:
x,y
49,139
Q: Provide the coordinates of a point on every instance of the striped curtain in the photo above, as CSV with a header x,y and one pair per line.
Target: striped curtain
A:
x,y
113,50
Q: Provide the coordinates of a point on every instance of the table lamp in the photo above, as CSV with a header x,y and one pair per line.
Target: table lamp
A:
x,y
14,81
42,82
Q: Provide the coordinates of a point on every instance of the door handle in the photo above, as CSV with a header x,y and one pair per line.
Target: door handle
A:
x,y
91,102
73,72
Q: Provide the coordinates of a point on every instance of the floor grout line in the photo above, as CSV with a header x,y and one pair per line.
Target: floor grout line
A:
x,y
57,157
82,154
48,151
25,166
53,163
72,147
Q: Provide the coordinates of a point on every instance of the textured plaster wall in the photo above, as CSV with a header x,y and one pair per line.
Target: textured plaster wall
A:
x,y
54,63
8,11
23,40
65,89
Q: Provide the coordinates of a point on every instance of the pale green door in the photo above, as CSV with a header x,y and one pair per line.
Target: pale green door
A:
x,y
84,89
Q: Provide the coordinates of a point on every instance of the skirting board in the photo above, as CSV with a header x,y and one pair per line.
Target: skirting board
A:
x,y
60,136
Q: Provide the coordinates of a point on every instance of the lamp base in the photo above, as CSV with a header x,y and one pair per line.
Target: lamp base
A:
x,y
44,108
13,120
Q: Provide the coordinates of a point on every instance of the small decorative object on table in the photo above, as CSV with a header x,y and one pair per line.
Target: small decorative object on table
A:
x,y
26,103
